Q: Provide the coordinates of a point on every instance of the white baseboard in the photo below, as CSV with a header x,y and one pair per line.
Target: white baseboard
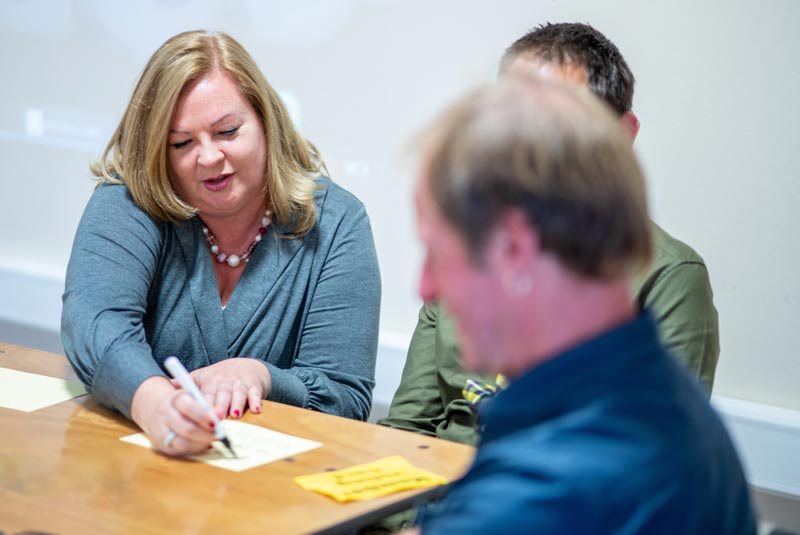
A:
x,y
768,441
767,437
31,294
392,349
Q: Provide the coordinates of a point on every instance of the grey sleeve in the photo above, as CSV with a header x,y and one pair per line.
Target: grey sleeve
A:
x,y
113,261
335,366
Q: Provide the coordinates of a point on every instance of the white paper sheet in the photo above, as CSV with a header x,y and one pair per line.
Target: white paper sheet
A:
x,y
28,392
254,445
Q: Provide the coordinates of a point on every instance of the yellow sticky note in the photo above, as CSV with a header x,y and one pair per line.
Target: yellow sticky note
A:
x,y
370,480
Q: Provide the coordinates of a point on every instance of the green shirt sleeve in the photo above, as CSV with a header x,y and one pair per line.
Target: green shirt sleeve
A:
x,y
429,398
681,300
417,405
677,290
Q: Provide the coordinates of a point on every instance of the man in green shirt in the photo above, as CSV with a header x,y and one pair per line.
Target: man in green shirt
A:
x,y
675,288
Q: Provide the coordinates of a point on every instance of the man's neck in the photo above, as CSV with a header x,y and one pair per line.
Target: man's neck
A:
x,y
567,311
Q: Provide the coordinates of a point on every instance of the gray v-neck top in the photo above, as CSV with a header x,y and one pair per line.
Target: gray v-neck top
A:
x,y
139,290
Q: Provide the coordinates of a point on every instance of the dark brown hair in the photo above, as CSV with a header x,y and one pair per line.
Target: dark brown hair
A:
x,y
580,44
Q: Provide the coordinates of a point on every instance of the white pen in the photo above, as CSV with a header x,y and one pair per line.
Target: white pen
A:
x,y
178,372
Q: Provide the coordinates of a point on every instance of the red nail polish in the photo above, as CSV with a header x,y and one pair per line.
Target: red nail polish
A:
x,y
211,425
236,413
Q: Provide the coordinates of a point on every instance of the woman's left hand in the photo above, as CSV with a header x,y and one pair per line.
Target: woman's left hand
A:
x,y
234,383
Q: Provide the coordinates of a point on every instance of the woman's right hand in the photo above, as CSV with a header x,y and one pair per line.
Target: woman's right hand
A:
x,y
174,421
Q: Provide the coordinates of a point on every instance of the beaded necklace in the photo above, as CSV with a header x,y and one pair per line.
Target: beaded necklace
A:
x,y
234,260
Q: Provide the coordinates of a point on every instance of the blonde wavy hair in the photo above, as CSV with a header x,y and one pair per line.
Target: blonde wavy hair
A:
x,y
136,155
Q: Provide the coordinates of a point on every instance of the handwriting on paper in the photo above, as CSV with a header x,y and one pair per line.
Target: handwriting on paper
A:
x,y
254,446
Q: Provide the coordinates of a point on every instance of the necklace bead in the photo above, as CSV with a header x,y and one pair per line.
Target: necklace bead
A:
x,y
234,260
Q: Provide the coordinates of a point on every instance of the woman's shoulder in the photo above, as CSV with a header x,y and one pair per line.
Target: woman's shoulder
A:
x,y
114,205
334,200
110,193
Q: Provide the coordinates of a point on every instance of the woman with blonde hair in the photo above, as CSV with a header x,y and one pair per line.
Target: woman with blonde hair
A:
x,y
214,236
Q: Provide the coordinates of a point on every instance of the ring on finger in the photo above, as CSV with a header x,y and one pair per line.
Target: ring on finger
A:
x,y
169,438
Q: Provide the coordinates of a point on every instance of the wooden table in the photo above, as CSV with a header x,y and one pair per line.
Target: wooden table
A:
x,y
64,470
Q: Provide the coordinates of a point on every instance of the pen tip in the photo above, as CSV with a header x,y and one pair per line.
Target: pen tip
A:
x,y
227,443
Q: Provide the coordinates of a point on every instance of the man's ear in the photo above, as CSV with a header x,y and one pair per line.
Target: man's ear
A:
x,y
631,124
513,252
515,243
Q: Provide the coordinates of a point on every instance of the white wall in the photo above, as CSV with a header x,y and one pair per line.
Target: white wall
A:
x,y
715,94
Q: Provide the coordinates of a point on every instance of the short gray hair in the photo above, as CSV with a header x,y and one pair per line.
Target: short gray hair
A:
x,y
554,152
